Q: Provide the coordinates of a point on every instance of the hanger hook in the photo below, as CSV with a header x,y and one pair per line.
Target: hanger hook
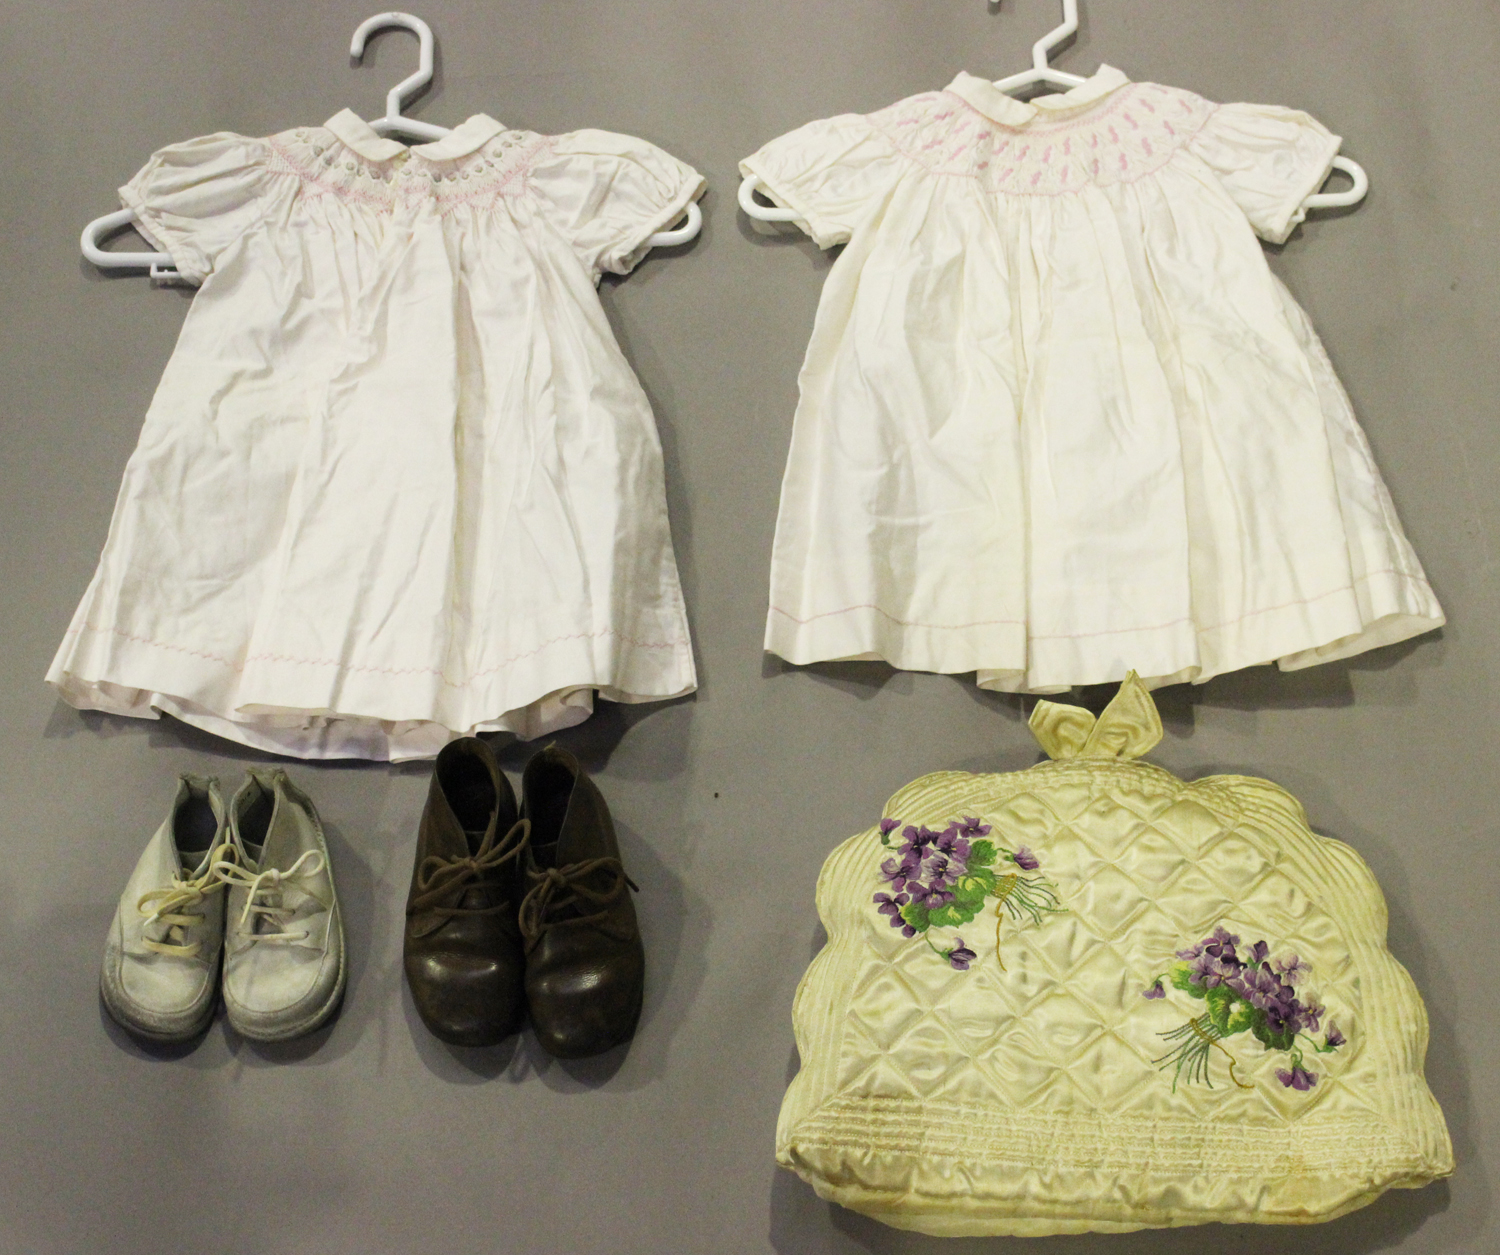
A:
x,y
1042,49
410,86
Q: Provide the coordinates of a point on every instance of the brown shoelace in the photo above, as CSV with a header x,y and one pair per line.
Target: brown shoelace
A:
x,y
441,880
542,901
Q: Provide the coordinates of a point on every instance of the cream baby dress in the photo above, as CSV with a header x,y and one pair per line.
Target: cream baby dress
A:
x,y
1057,413
398,482
1092,996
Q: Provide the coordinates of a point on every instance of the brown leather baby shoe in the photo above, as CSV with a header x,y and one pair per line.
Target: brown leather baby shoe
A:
x,y
462,951
585,966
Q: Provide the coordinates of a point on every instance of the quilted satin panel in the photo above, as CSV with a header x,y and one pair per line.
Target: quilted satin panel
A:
x,y
1103,1062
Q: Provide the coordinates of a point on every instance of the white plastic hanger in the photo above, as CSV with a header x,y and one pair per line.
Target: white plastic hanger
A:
x,y
393,123
1043,73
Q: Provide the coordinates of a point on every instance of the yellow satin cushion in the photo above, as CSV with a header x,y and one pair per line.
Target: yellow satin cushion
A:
x,y
1090,996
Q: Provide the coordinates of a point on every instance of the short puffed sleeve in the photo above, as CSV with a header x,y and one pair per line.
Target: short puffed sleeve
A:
x,y
196,198
832,174
1269,159
608,194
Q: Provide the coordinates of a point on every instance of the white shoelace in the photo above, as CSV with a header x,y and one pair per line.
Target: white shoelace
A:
x,y
167,906
265,900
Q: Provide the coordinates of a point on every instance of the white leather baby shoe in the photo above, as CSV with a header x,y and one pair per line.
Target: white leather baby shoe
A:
x,y
161,962
284,968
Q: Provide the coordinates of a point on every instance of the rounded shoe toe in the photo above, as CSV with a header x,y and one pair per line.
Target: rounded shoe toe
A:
x,y
153,1023
465,999
587,1008
270,995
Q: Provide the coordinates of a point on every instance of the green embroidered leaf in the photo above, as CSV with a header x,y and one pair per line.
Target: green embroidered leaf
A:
x,y
1242,1017
953,914
1270,1040
975,887
1181,976
1221,1002
981,854
916,916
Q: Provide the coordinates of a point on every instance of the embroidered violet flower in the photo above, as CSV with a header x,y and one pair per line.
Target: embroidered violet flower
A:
x,y
961,956
971,827
918,841
1258,953
1334,1039
1156,991
1261,988
1298,1078
899,871
1211,972
1291,969
892,907
1221,946
954,845
929,896
936,868
1290,1016
1025,860
888,826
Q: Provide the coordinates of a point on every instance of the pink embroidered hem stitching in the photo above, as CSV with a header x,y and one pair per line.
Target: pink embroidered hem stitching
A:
x,y
1074,636
348,666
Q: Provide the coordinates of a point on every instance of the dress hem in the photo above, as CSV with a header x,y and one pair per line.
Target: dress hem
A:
x,y
334,735
362,712
1382,608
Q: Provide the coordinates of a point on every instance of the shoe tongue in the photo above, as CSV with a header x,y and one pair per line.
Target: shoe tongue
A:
x,y
280,849
196,864
255,821
284,836
577,837
475,896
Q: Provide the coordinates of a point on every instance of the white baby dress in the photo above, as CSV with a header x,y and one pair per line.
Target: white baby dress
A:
x,y
1057,416
398,482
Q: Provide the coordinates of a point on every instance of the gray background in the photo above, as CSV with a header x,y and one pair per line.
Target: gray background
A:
x,y
373,1136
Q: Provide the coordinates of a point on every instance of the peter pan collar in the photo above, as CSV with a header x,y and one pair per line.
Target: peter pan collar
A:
x,y
984,96
357,134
